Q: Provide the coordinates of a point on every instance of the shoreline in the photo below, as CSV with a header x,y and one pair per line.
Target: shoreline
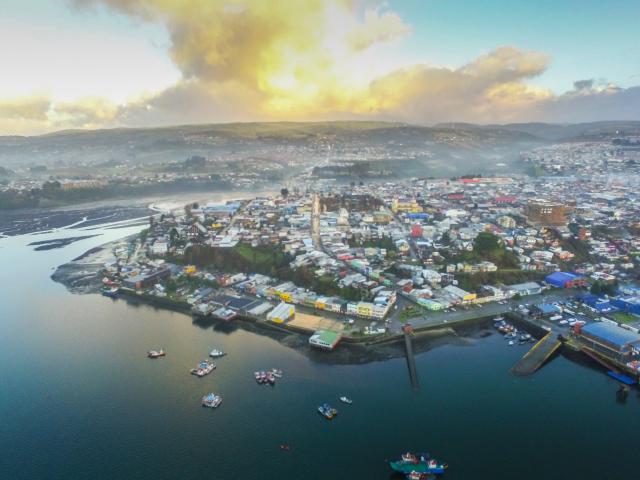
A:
x,y
81,276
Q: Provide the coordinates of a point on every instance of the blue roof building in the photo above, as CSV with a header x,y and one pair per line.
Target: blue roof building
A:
x,y
611,339
564,280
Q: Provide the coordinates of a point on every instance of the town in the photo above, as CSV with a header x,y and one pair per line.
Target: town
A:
x,y
362,262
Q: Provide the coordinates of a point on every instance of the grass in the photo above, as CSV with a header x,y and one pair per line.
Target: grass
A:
x,y
410,312
624,317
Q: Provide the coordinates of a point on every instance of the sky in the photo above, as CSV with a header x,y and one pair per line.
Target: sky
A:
x,y
142,63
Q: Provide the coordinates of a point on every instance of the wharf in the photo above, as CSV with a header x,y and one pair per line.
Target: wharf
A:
x,y
535,358
411,361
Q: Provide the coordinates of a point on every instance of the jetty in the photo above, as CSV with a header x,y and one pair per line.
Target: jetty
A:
x,y
537,356
411,361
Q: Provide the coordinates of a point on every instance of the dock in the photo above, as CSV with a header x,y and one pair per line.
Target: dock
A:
x,y
411,361
539,353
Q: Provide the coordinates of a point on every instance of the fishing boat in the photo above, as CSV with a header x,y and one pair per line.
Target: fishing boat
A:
x,y
216,353
211,400
346,400
156,353
276,372
110,291
417,464
270,378
262,376
419,476
327,411
205,367
109,283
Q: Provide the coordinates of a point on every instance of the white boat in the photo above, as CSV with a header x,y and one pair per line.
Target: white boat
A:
x,y
276,372
155,353
511,342
346,400
215,353
211,400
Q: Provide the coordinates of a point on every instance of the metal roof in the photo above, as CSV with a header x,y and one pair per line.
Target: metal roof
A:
x,y
611,333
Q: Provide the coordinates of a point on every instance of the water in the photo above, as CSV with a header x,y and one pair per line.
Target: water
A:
x,y
78,398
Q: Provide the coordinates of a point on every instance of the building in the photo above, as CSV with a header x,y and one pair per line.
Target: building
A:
x,y
524,289
460,294
325,339
565,280
145,280
282,313
544,213
610,340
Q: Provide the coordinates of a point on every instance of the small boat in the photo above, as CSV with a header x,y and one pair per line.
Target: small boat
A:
x,y
270,378
498,319
327,411
109,283
110,291
211,400
622,378
346,400
276,372
156,353
215,353
417,464
511,342
418,476
285,447
204,368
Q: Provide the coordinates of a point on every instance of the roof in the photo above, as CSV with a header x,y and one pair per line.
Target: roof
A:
x,y
611,333
548,308
327,336
561,277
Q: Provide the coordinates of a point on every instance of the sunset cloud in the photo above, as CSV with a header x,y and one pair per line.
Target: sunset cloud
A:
x,y
242,60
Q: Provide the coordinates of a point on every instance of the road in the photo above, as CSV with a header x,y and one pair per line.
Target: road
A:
x,y
487,310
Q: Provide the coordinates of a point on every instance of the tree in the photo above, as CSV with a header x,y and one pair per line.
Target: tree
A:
x,y
284,192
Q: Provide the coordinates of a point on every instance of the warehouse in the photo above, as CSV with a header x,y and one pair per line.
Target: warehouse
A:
x,y
565,280
281,313
611,340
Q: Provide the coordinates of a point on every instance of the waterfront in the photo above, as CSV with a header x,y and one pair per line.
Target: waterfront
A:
x,y
79,399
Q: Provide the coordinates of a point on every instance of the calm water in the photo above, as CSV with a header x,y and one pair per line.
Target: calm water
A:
x,y
78,399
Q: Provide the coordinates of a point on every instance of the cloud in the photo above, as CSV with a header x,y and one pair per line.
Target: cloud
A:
x,y
244,60
378,27
490,87
33,108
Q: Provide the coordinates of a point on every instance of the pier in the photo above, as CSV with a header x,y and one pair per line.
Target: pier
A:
x,y
535,358
411,361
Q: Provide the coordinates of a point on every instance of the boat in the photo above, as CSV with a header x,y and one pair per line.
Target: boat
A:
x,y
285,447
410,464
211,400
346,400
498,319
622,378
110,291
205,367
215,353
276,372
156,353
327,411
109,283
270,378
419,476
511,342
